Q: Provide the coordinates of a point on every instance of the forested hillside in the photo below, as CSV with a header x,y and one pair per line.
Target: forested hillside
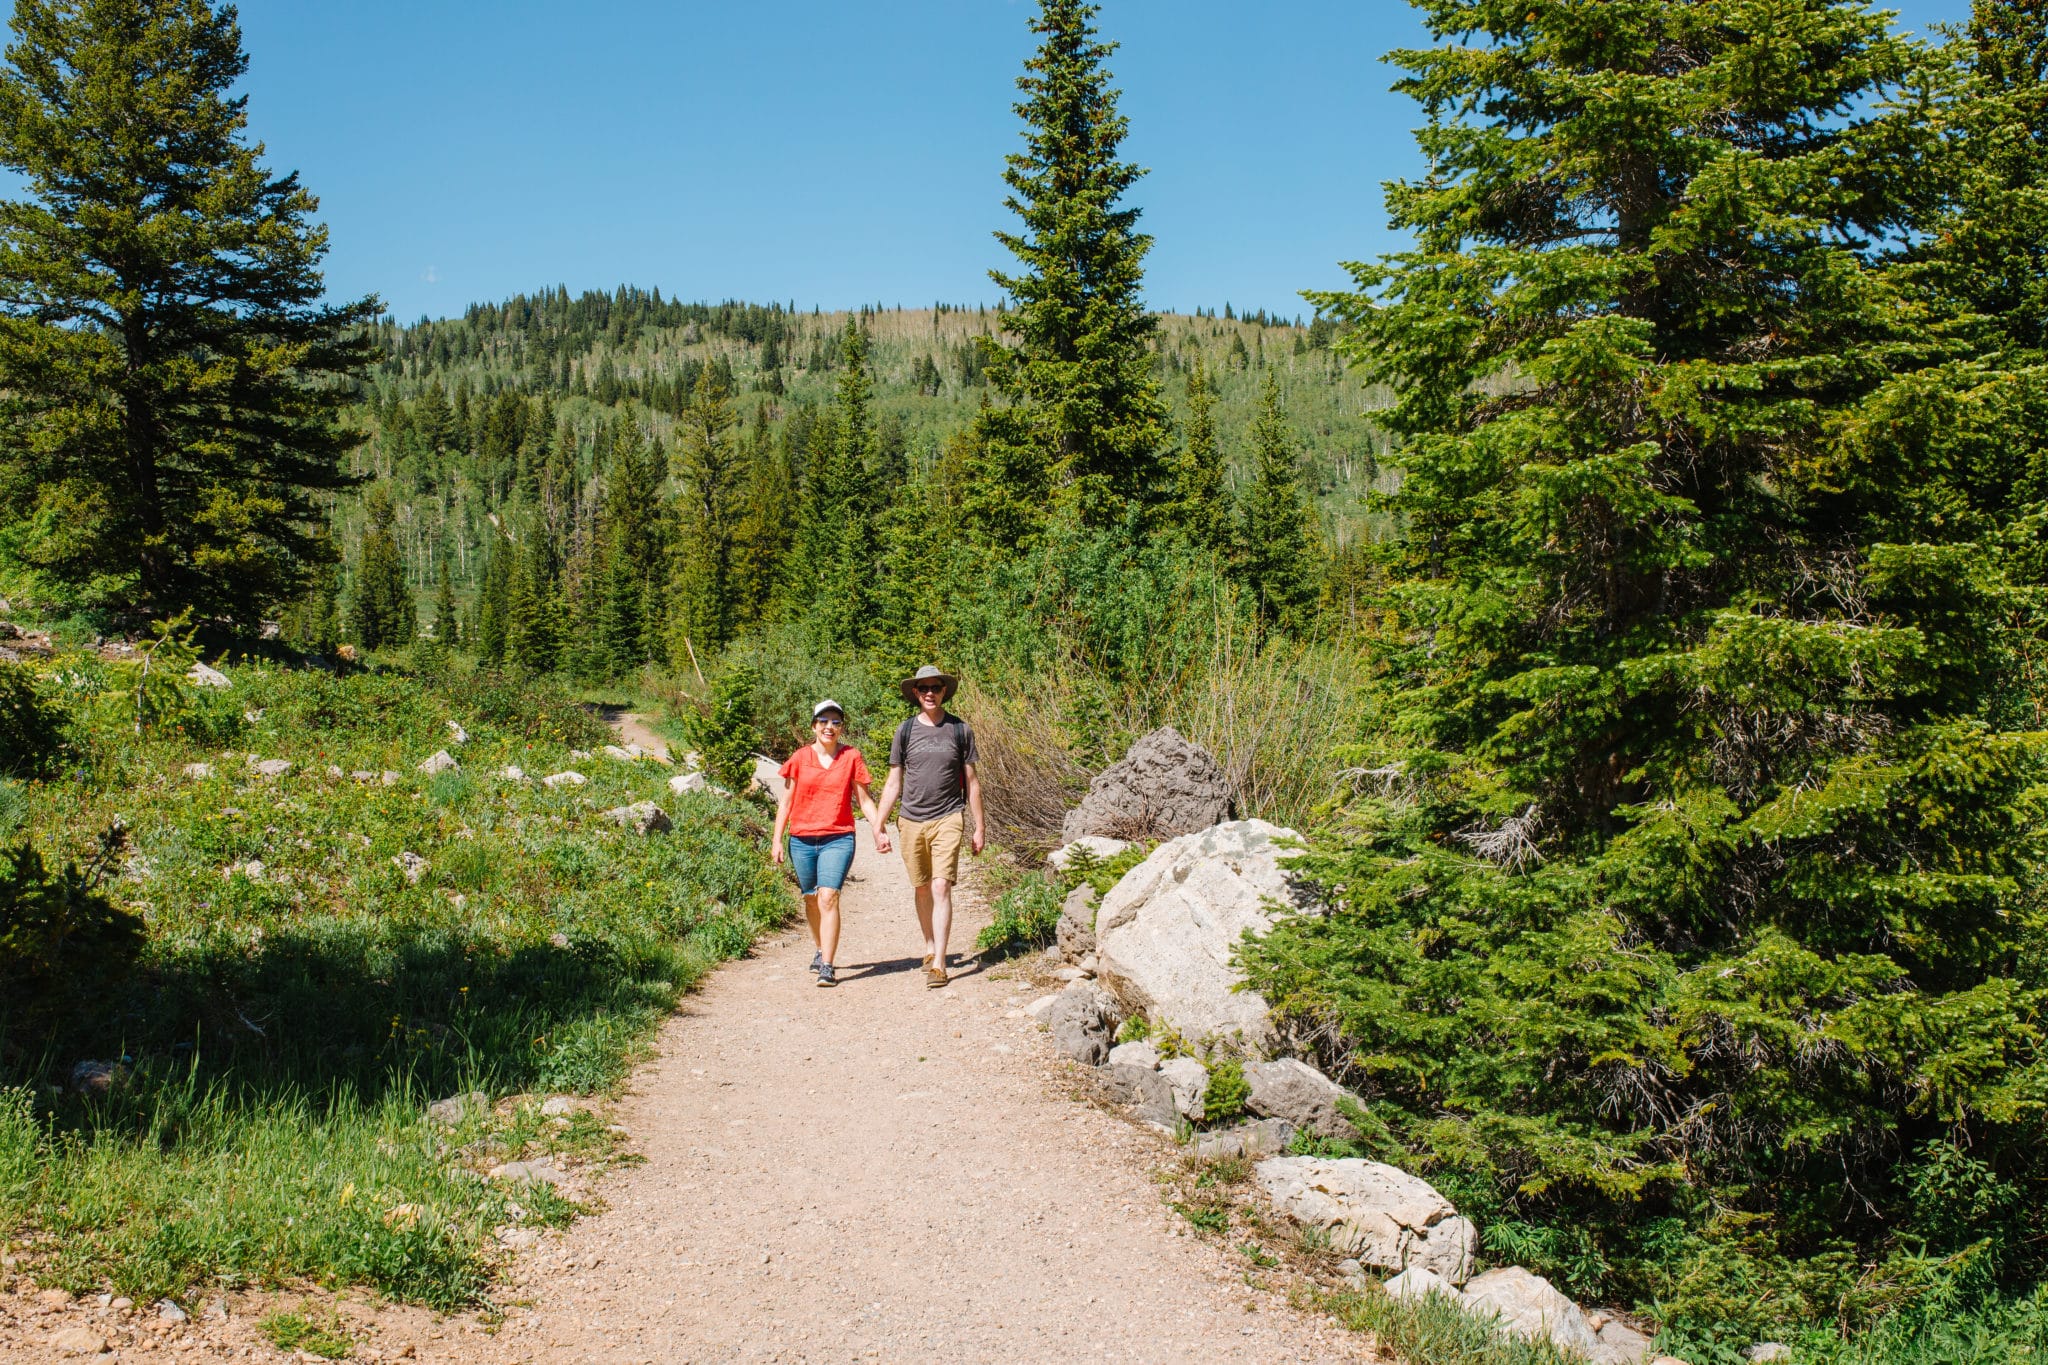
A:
x,y
512,442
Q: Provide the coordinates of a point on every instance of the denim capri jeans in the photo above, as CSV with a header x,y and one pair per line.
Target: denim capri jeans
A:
x,y
821,861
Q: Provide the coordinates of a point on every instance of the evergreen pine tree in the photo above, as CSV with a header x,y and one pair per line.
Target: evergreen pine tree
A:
x,y
1694,879
493,603
384,615
447,622
709,469
1275,555
1086,424
168,364
1201,503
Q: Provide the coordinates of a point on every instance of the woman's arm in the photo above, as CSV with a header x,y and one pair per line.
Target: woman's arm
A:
x,y
868,808
781,818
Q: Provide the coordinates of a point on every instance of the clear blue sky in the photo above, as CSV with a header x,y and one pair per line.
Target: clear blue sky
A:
x,y
828,153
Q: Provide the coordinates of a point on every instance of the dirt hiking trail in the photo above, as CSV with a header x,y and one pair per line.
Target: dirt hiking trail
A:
x,y
873,1171
879,1171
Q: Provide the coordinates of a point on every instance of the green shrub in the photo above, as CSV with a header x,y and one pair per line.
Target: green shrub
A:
x,y
31,724
61,938
1227,1093
723,732
529,706
1135,1029
1026,916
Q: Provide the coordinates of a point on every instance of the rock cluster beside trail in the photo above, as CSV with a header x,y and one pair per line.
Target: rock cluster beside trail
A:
x,y
1157,950
1162,787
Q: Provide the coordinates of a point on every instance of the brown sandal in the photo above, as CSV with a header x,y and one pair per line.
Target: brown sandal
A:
x,y
934,977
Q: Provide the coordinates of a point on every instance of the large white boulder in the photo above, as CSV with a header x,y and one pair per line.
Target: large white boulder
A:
x,y
1164,935
1530,1307
1378,1213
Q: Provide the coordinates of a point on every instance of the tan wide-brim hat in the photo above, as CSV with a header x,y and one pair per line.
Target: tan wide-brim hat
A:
x,y
908,687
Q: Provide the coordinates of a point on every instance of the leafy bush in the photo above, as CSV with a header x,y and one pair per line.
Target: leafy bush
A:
x,y
31,724
1026,916
527,705
60,937
723,732
1227,1093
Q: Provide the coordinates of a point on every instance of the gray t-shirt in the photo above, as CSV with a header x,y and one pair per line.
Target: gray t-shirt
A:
x,y
934,760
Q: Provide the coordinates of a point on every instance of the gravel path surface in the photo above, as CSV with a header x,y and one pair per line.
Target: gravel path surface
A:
x,y
875,1171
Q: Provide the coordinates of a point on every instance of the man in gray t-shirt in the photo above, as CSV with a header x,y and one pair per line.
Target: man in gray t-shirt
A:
x,y
931,764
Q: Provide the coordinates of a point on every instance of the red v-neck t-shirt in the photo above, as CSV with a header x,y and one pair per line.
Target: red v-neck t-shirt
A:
x,y
823,800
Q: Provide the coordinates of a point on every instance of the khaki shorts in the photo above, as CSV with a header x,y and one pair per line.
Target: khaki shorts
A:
x,y
931,848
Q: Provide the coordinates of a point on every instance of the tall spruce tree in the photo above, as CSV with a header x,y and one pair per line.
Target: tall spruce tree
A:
x,y
832,573
709,467
1086,427
1691,885
384,614
447,619
169,371
1201,502
1275,553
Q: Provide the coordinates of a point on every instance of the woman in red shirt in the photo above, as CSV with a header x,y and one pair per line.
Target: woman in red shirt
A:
x,y
819,784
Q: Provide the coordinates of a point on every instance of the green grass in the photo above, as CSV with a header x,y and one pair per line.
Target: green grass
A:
x,y
297,1332
1435,1331
282,1034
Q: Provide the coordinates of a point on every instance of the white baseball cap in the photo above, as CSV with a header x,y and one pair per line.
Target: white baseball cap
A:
x,y
827,705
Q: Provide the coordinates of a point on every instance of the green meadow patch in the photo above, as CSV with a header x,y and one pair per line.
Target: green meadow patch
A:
x,y
236,1092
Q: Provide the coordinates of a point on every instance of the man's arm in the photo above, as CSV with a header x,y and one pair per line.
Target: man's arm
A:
x,y
973,808
890,790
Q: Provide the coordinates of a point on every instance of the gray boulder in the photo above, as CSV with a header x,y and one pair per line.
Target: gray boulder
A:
x,y
1190,1082
1417,1283
1375,1212
199,771
202,676
1260,1138
642,817
1140,1088
567,778
270,767
1135,1054
412,865
1530,1307
92,1077
1163,787
1083,1022
456,1108
515,1172
439,762
1166,933
1077,924
1619,1344
1295,1091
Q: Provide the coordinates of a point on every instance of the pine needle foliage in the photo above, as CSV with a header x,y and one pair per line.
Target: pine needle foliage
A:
x,y
1691,895
171,373
1086,423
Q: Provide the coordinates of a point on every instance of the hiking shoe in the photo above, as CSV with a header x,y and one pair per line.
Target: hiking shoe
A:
x,y
825,977
934,977
817,961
